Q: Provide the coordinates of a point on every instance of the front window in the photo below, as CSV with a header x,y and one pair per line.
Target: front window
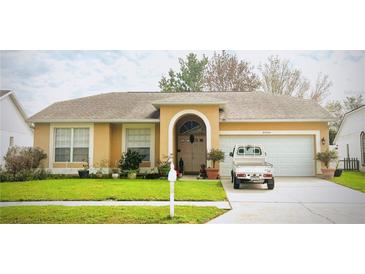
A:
x,y
362,143
189,127
139,140
80,144
249,151
71,144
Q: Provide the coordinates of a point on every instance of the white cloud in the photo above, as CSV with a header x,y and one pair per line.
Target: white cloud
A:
x,y
42,77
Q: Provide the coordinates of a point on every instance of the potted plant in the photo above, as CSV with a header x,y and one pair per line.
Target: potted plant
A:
x,y
164,167
84,173
130,161
326,157
115,173
215,155
132,173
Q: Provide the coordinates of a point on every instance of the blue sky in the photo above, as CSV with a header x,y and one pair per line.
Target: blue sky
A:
x,y
40,78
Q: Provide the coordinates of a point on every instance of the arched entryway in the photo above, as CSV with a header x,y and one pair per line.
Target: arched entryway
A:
x,y
191,143
198,123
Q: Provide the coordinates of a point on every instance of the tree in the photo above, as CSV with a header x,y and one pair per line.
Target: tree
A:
x,y
350,103
332,134
338,110
321,88
225,72
170,84
189,78
279,77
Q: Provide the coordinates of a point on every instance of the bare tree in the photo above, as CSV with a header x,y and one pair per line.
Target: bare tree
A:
x,y
225,72
338,110
279,77
350,103
321,89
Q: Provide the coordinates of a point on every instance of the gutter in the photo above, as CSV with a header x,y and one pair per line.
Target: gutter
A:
x,y
274,120
158,120
94,120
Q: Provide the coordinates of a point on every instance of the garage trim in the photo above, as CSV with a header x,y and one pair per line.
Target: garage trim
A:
x,y
316,133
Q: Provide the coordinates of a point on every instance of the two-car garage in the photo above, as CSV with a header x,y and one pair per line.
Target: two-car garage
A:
x,y
291,155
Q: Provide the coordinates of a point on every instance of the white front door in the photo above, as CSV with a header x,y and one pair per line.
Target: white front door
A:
x,y
290,155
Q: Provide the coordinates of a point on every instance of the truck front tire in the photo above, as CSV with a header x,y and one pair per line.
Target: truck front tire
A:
x,y
270,184
236,183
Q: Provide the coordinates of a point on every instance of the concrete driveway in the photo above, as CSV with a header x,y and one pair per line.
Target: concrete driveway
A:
x,y
296,200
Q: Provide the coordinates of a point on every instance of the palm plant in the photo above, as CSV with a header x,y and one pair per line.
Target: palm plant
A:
x,y
326,157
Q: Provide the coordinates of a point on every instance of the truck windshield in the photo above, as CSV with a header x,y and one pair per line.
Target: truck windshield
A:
x,y
249,151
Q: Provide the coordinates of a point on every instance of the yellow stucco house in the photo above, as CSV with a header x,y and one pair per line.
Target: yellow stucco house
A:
x,y
183,125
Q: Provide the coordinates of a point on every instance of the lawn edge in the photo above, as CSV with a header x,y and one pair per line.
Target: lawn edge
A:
x,y
346,186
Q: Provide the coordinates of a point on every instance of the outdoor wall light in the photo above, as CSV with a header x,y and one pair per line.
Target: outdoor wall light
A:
x,y
323,141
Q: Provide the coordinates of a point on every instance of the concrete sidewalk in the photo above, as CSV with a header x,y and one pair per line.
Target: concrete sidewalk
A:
x,y
218,204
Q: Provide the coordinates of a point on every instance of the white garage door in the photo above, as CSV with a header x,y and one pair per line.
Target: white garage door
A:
x,y
290,155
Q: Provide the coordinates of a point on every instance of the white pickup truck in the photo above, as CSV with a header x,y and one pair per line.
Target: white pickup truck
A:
x,y
249,166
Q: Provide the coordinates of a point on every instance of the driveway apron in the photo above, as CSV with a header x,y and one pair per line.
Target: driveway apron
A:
x,y
294,200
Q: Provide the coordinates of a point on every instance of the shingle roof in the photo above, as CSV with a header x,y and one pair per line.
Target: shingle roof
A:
x,y
3,92
134,106
194,98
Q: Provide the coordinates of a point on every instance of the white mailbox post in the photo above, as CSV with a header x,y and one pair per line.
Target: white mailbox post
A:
x,y
172,179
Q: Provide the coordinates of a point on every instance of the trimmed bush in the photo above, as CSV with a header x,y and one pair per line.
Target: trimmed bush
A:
x,y
130,160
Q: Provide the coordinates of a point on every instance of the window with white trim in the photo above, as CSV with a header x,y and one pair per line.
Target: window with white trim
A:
x,y
362,143
80,152
139,140
71,144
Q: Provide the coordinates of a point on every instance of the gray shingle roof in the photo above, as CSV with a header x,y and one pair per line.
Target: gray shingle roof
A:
x,y
3,92
194,98
135,106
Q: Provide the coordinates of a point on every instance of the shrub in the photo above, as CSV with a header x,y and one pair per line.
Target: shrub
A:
x,y
152,176
130,160
215,155
23,175
164,166
326,157
37,155
21,162
40,174
5,176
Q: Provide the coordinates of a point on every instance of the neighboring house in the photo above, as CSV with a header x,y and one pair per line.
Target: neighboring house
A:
x,y
156,124
350,138
14,127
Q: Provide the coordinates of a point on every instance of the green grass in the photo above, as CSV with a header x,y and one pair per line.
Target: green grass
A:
x,y
108,189
351,179
106,214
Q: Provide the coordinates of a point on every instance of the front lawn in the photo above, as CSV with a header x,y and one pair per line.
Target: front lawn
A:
x,y
106,214
352,179
109,189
